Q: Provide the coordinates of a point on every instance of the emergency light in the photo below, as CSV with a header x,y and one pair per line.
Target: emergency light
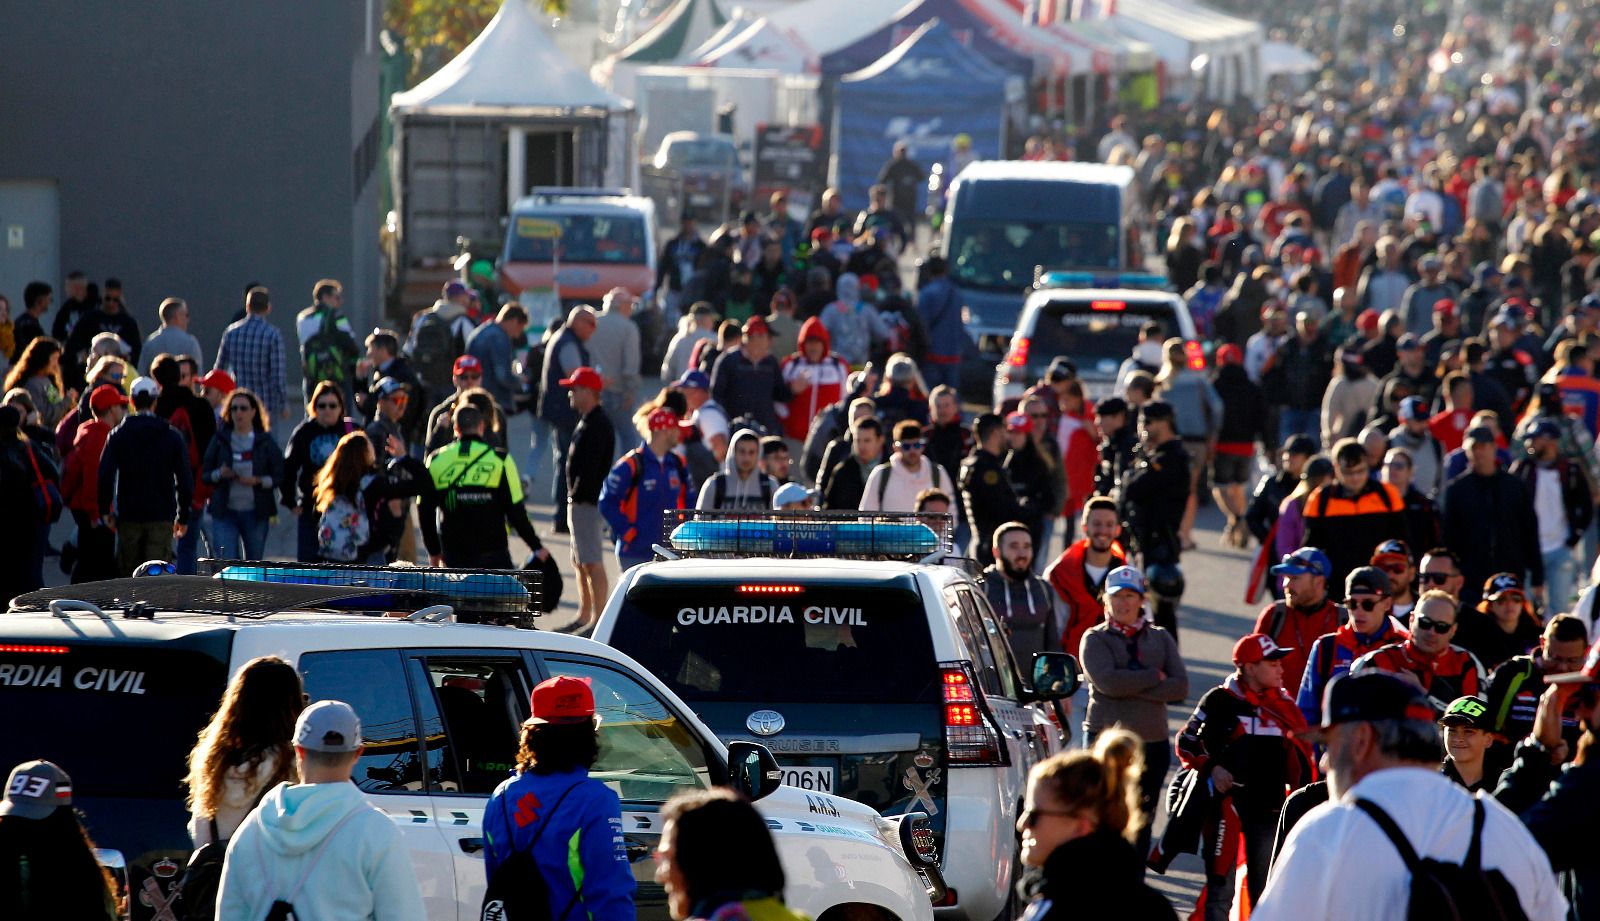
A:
x,y
803,535
1101,280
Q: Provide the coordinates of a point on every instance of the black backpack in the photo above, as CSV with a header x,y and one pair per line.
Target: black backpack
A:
x,y
434,350
196,895
330,354
518,891
1443,891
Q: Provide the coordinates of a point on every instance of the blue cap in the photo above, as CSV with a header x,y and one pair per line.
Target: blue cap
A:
x,y
1124,579
1544,428
694,378
1407,342
1303,561
1590,302
1484,271
789,492
1413,408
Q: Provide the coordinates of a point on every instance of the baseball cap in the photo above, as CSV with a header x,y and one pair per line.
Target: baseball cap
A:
x,y
1471,710
1257,647
1480,434
106,396
585,376
1484,271
1300,444
1124,579
467,363
790,492
1018,422
144,386
1302,561
109,339
756,326
1157,410
1366,580
1431,262
1544,428
562,701
1445,307
219,379
454,287
1408,342
1500,584
388,387
1230,354
695,379
1367,320
1391,550
662,419
328,726
1366,697
45,789
1413,409
1590,302
1061,369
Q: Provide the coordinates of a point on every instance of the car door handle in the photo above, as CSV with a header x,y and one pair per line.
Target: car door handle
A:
x,y
470,845
637,850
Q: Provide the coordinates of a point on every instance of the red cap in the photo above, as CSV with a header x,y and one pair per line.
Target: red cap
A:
x,y
1257,647
562,699
820,234
1445,307
219,379
1230,354
663,419
1367,320
106,396
756,326
1019,422
585,377
467,363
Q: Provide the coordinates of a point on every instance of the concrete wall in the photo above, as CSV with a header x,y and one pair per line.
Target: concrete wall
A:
x,y
199,145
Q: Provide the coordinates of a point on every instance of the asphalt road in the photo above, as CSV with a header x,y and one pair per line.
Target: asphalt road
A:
x,y
1212,617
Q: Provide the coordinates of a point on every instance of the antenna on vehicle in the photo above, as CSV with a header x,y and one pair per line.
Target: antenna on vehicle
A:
x,y
61,606
433,614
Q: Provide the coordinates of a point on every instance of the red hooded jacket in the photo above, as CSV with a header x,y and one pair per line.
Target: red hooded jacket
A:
x,y
80,480
1071,582
825,385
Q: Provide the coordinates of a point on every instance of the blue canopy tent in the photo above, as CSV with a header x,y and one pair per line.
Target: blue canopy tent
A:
x,y
967,26
930,88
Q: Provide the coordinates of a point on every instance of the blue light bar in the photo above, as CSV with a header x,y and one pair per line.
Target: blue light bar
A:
x,y
1101,280
812,538
465,590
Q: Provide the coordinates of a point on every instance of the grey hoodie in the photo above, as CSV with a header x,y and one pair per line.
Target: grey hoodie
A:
x,y
742,493
363,872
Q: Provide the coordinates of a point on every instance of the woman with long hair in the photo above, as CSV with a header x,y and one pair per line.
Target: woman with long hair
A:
x,y
1079,820
1183,255
717,861
351,485
38,370
246,749
1198,411
48,868
559,744
310,445
244,464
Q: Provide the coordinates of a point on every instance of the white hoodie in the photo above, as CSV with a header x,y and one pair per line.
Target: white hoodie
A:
x,y
900,495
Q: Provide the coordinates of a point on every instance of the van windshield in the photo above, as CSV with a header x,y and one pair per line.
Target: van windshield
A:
x,y
614,239
119,719
701,154
1092,337
817,645
1001,255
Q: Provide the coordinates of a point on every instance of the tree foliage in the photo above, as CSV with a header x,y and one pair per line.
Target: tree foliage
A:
x,y
435,31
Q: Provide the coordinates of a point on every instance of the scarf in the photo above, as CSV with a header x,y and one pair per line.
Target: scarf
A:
x,y
1278,706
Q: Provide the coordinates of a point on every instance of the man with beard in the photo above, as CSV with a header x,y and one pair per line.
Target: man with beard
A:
x,y
1079,573
1305,613
1024,602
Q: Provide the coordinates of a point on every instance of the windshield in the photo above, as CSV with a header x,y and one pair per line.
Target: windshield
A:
x,y
616,239
713,154
119,720
1002,255
820,645
1095,338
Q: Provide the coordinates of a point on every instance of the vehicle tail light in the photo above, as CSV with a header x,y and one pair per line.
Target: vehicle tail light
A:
x,y
1196,355
1018,356
770,589
949,901
34,650
1108,305
970,736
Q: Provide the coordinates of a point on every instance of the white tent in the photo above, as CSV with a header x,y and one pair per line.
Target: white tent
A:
x,y
763,46
1284,59
512,66
1204,50
685,26
828,25
740,20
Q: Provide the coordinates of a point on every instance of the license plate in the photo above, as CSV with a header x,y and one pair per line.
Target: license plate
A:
x,y
815,779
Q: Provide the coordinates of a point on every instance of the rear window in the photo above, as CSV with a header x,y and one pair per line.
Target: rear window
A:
x,y
617,239
701,154
1096,339
62,701
817,645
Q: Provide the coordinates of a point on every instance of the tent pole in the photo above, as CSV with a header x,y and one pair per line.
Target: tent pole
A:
x,y
516,165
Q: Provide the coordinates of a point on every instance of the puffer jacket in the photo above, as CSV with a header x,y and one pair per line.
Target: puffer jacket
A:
x,y
826,380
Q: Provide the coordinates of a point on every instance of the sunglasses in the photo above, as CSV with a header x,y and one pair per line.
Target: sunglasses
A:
x,y
327,406
242,408
911,445
1437,626
1030,817
1397,569
1436,578
1368,604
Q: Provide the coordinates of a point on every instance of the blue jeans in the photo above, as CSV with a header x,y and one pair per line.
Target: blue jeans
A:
x,y
1560,577
240,534
1306,422
539,450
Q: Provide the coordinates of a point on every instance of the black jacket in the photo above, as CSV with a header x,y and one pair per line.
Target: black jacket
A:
x,y
1153,496
668,267
1300,373
1575,499
1511,545
1561,809
594,445
310,445
1422,521
749,388
1082,870
98,321
990,500
1270,492
1244,408
846,484
1116,458
416,411
145,468
1188,812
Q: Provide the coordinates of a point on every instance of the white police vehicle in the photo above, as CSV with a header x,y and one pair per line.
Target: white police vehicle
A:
x,y
1093,319
872,670
114,680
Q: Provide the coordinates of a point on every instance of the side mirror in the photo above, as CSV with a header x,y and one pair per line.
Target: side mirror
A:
x,y
752,770
1056,676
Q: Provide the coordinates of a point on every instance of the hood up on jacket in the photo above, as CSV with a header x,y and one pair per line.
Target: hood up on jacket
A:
x,y
728,462
812,330
847,290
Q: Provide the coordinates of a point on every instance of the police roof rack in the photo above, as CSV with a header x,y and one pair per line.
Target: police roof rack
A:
x,y
489,596
1092,279
547,193
900,536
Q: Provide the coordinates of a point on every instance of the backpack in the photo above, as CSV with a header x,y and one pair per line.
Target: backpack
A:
x,y
434,349
196,894
518,891
1443,891
330,354
720,490
888,471
342,531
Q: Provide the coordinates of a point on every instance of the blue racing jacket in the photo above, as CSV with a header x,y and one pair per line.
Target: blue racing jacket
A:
x,y
581,852
639,489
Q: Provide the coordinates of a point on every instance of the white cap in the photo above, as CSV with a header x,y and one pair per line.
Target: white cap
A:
x,y
143,386
328,726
